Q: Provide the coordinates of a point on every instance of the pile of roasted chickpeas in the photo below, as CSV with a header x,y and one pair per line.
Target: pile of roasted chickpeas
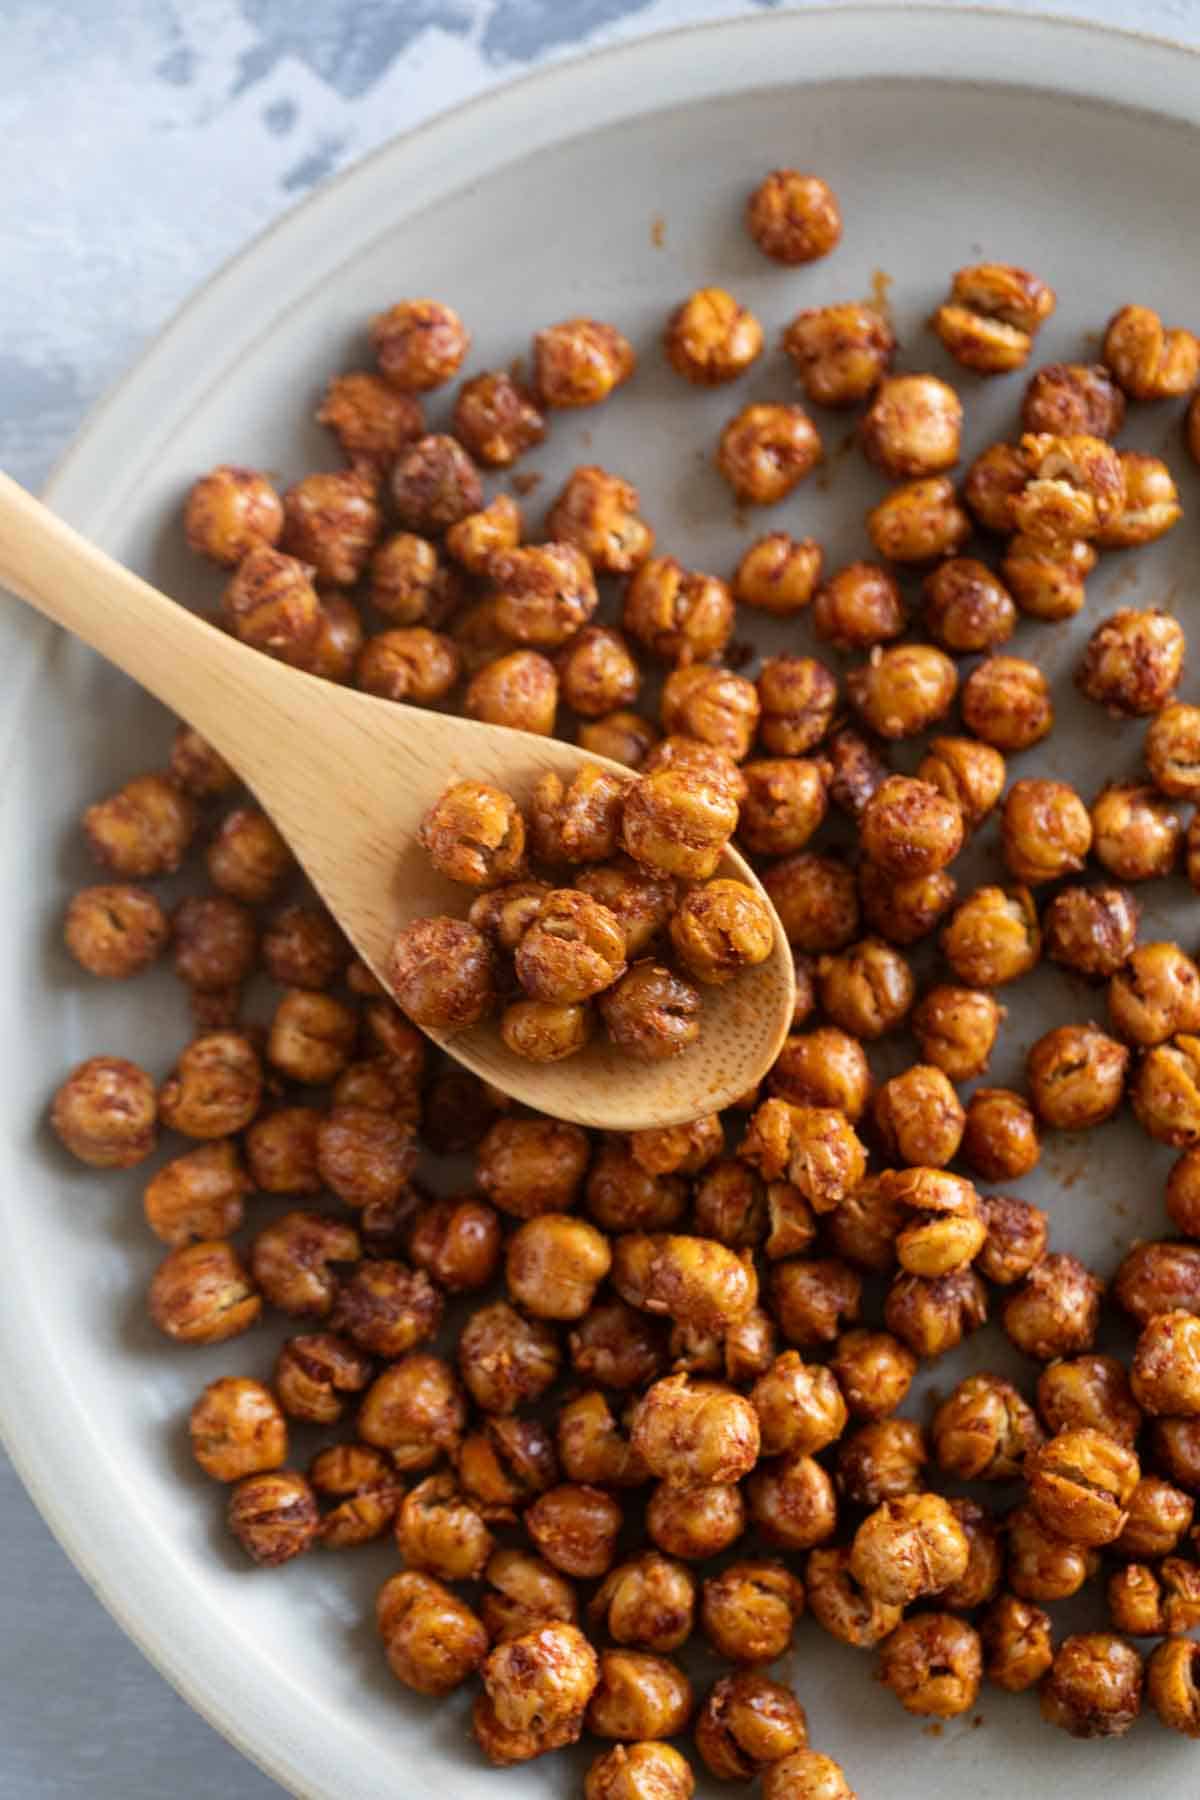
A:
x,y
670,1404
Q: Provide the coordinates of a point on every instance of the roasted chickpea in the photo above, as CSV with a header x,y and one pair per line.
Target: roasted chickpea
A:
x,y
1017,1234
966,608
198,1195
638,1695
247,858
908,1547
748,1722
215,1088
432,1639
202,1294
1080,1482
531,1166
814,1147
229,512
535,1690
1089,1391
840,1605
1136,834
779,574
496,419
933,1664
1041,1565
366,1157
956,1029
215,942
505,1359
457,1241
1068,398
933,1316
439,1531
903,691
858,607
677,614
909,829
575,1527
105,1113
766,451
720,929
143,830
678,825
597,514
1006,702
856,770
992,316
312,1035
648,1602
913,426
573,948
371,419
1094,1686
1155,994
415,1410
1172,751
197,768
271,604
992,481
984,1431
874,1371
595,1446
505,1464
920,1119
992,937
1151,506
791,1502
291,1260
840,352
545,593
867,990
710,338
714,706
332,523
473,541
1075,487
1158,1278
364,1488
1133,662
621,736
1000,1141
1159,1515
799,1405
650,1013
864,1228
1017,1643
1165,1374
797,696
794,218
274,1516
554,1263
475,834
985,1563
313,1373
433,485
1055,1310
1149,361
1046,831
1183,1193
478,641
419,344
281,1149
1076,1077
805,1775
784,804
1047,580
682,1149
411,663
624,1196
1171,1685
579,362
646,1771
689,1432
1091,930
237,1429
943,1227
904,911
115,931
523,1591
410,585
695,1523
598,672
692,1280
817,901
1165,1092
442,973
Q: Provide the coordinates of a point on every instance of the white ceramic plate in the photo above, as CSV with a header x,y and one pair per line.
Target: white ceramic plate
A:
x,y
947,136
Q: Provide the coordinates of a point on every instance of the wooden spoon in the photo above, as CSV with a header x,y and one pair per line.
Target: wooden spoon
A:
x,y
347,778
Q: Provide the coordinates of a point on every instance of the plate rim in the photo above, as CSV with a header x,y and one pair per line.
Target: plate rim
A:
x,y
34,1449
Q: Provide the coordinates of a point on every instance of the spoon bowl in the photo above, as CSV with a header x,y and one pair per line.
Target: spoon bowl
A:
x,y
347,778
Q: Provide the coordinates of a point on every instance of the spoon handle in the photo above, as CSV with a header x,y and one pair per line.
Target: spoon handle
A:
x,y
208,678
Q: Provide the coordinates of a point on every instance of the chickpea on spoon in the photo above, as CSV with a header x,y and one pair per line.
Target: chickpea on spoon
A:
x,y
349,778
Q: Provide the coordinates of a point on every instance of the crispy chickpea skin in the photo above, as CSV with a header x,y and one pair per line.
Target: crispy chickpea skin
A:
x,y
271,604
858,607
1136,835
1149,361
115,930
992,937
1091,930
201,1294
1075,487
1080,1483
920,1120
579,362
291,1260
496,419
442,973
1018,1646
1047,580
432,1639
198,1195
767,450
679,615
1006,702
748,1722
645,1771
791,1502
237,1429
505,1359
710,338
748,1612
913,426
955,1028
933,1316
784,804
1076,1077
314,1371
816,897
682,1149
984,1431
933,1664
793,217
1094,1686
992,316
647,1603
1092,1391
908,1547
691,1280
105,1113
414,1410
1055,1310
1133,662
840,353
902,691
143,830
